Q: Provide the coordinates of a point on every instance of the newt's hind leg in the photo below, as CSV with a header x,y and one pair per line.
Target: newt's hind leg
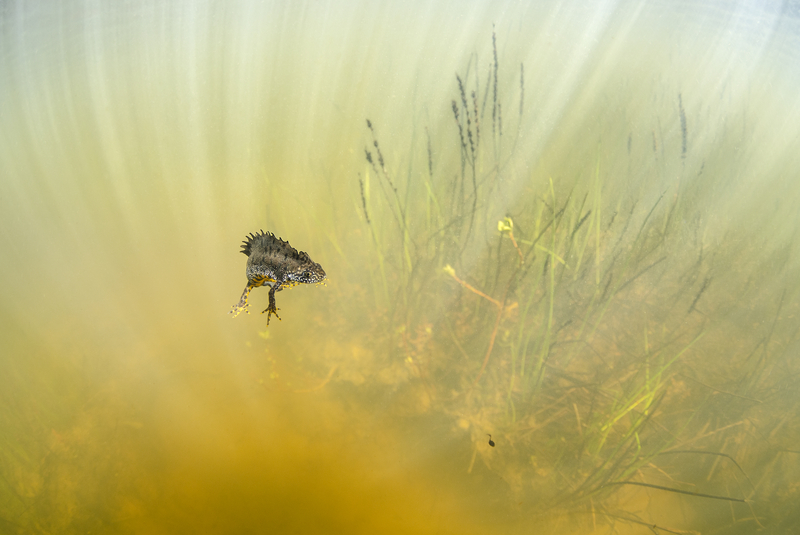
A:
x,y
272,309
242,305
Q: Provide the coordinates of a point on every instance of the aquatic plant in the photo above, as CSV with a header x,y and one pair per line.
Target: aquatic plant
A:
x,y
554,321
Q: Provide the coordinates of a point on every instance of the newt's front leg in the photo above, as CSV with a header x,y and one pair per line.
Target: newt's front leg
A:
x,y
242,304
272,309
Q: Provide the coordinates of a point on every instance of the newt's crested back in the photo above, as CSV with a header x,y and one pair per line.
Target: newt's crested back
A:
x,y
272,260
263,240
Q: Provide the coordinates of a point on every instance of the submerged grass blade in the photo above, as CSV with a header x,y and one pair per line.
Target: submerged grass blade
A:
x,y
679,491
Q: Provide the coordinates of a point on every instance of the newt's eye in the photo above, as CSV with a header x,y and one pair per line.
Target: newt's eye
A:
x,y
306,274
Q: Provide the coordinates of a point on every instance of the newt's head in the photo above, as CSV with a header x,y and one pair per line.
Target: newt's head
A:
x,y
308,272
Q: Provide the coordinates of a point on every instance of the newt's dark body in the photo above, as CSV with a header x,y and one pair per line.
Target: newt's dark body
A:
x,y
270,259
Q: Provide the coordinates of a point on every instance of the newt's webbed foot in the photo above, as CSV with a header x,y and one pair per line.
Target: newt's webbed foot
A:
x,y
239,307
242,305
272,309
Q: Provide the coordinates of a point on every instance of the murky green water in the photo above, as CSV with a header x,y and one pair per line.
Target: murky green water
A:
x,y
588,252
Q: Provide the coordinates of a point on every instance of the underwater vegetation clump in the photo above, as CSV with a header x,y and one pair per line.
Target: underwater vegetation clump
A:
x,y
589,333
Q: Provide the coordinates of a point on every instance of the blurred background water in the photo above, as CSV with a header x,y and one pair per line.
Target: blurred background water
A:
x,y
588,252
